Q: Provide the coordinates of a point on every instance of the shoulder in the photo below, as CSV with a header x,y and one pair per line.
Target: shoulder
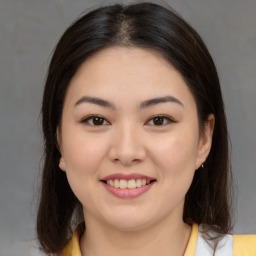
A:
x,y
244,245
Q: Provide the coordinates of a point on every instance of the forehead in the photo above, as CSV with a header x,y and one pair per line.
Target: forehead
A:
x,y
127,72
131,60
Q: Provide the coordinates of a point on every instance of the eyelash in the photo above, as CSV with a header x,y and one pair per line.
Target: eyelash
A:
x,y
91,117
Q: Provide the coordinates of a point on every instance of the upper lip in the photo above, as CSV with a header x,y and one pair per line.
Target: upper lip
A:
x,y
122,176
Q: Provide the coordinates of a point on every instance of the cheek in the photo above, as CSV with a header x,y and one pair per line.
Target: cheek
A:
x,y
81,150
176,152
175,159
83,158
82,155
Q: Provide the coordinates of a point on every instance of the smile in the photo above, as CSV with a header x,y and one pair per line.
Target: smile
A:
x,y
131,184
127,186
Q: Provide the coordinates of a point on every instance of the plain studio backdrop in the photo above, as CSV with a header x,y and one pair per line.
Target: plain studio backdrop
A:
x,y
30,29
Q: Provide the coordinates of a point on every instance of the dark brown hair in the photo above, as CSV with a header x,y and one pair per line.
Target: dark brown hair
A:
x,y
148,26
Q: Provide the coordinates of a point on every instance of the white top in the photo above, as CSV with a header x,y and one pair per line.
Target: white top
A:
x,y
224,248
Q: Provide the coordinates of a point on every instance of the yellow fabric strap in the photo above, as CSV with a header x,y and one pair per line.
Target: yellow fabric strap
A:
x,y
191,247
244,245
73,247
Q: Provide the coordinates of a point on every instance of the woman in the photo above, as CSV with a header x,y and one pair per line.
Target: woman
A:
x,y
136,143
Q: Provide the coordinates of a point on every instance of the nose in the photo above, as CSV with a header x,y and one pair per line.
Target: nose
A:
x,y
127,147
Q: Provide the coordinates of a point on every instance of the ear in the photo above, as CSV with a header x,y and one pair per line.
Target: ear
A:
x,y
62,164
59,142
205,141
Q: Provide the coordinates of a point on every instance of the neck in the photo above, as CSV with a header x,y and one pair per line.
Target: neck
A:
x,y
166,237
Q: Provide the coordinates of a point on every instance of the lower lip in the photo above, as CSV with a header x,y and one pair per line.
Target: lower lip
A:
x,y
128,193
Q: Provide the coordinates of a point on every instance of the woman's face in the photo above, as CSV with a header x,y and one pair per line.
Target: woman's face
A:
x,y
130,119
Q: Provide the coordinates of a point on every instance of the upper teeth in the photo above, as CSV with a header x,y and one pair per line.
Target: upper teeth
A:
x,y
128,183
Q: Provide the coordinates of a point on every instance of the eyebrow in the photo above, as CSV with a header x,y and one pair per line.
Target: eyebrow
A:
x,y
152,102
97,101
144,104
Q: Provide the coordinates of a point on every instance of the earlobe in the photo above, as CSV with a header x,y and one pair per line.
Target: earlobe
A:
x,y
62,164
205,141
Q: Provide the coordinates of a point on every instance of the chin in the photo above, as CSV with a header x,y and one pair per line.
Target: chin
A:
x,y
128,220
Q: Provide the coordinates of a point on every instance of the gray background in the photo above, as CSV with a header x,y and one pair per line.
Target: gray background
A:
x,y
29,31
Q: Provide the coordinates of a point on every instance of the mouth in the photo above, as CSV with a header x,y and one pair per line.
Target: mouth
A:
x,y
128,184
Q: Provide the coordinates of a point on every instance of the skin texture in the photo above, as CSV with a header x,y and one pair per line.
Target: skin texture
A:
x,y
129,141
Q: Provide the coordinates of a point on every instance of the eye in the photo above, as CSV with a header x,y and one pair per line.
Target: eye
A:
x,y
159,120
95,120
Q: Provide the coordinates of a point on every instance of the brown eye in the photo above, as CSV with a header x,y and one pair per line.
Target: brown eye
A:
x,y
159,120
95,121
98,121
